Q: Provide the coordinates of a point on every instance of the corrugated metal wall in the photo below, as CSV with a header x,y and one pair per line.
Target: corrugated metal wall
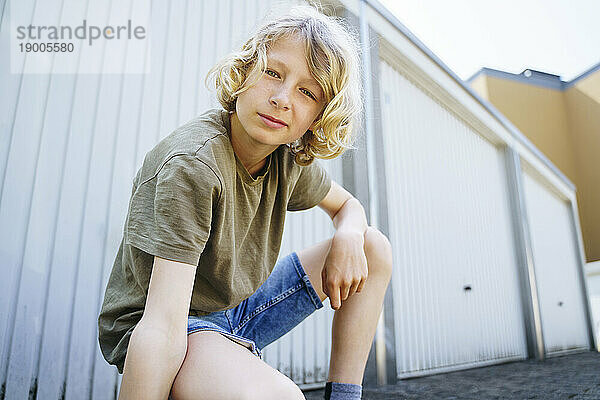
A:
x,y
70,147
457,301
556,264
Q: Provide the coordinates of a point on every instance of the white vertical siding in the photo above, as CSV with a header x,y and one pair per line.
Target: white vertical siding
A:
x,y
450,228
30,196
556,263
69,148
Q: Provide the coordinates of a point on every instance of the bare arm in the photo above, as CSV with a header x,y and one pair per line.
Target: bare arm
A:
x,y
158,344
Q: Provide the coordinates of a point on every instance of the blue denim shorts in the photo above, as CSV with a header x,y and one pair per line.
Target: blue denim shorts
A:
x,y
284,300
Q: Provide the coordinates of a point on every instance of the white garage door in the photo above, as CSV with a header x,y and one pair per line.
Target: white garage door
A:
x,y
456,292
555,258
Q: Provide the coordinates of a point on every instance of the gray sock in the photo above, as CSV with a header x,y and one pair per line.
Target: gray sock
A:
x,y
342,391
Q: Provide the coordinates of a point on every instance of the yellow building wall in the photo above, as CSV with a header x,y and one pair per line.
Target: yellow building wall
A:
x,y
541,114
565,126
583,106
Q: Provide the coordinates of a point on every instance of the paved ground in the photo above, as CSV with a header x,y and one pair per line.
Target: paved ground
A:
x,y
575,376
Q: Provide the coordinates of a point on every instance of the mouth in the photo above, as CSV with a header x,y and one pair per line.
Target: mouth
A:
x,y
272,121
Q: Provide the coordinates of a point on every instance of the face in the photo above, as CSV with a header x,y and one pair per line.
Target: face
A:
x,y
285,101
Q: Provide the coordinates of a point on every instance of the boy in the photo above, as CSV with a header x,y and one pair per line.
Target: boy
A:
x,y
194,293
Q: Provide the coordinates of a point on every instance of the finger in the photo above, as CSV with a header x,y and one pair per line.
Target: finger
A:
x,y
361,285
345,291
324,283
334,298
354,288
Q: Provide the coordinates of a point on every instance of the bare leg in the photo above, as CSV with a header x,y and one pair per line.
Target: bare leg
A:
x,y
355,322
218,369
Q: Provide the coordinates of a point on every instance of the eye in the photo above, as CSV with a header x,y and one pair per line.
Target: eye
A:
x,y
272,73
308,93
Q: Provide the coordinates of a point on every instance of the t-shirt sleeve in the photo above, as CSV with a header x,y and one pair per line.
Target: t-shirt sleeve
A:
x,y
170,214
312,186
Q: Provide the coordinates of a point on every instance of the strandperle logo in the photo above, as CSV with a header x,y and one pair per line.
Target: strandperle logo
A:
x,y
84,31
47,38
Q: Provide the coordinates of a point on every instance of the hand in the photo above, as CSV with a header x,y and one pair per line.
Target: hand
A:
x,y
345,270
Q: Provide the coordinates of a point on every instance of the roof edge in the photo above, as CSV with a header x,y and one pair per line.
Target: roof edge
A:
x,y
517,134
534,77
583,75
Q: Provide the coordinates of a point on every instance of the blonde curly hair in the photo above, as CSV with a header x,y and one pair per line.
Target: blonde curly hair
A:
x,y
332,53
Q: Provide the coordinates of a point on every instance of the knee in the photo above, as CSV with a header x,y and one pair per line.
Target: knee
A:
x,y
378,250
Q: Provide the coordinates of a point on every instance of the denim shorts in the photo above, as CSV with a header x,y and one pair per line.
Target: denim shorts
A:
x,y
284,300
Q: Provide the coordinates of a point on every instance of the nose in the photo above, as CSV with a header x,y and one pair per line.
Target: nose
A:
x,y
281,98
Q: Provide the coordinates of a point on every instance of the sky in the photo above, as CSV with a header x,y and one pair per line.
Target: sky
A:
x,y
560,37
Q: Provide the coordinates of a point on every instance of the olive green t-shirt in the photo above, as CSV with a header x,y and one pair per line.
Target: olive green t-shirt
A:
x,y
193,201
